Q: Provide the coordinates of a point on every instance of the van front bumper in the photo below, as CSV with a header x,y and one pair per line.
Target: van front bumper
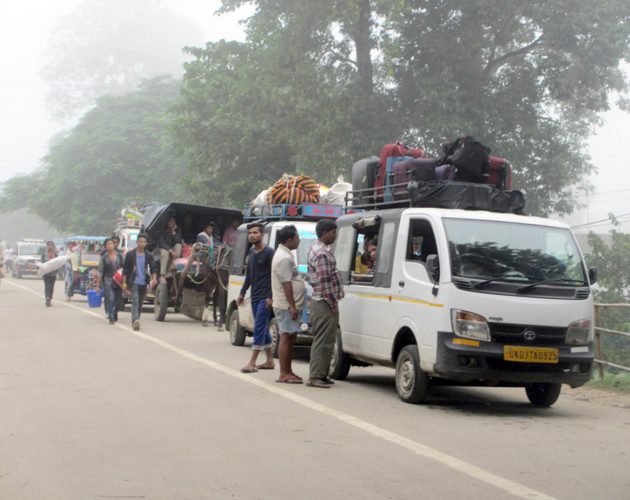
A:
x,y
484,364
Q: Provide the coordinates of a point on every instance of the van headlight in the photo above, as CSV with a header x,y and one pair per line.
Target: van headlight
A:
x,y
579,332
469,325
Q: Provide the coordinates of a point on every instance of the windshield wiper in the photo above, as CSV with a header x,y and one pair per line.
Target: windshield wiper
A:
x,y
501,277
546,282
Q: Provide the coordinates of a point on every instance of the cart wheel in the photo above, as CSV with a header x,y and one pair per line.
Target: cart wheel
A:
x,y
160,304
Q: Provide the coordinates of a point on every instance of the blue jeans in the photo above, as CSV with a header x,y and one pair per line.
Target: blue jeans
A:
x,y
137,298
262,315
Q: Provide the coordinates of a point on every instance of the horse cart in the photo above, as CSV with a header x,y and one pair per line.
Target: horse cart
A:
x,y
198,279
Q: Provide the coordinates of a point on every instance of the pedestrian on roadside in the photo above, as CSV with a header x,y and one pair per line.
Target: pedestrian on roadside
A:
x,y
50,252
327,291
288,297
259,277
108,265
9,258
139,270
73,275
1,260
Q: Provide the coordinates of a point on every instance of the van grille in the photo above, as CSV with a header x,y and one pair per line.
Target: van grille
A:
x,y
582,293
515,334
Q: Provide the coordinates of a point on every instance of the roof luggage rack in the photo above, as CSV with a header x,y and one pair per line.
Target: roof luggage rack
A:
x,y
305,211
438,194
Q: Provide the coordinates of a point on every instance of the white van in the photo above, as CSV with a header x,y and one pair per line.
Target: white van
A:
x,y
466,297
241,319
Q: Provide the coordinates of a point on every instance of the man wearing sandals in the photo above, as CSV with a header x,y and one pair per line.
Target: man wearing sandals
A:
x,y
327,291
259,277
288,297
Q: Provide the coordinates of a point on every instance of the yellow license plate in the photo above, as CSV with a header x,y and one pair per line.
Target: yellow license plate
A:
x,y
530,354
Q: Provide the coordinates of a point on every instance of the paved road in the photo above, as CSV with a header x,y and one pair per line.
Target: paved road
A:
x,y
92,411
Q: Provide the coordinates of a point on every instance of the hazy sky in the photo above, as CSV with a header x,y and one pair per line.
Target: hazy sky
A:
x,y
26,126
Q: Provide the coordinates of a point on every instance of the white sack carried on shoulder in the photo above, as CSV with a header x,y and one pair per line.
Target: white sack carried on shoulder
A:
x,y
52,265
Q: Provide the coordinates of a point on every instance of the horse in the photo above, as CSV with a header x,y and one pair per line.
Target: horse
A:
x,y
220,276
203,282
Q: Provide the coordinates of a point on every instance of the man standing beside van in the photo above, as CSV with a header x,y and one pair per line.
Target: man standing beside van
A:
x,y
327,291
259,277
288,297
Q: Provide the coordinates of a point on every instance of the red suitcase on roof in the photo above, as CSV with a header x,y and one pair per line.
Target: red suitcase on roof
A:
x,y
500,173
392,150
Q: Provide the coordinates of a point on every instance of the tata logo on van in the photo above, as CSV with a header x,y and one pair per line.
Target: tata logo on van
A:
x,y
529,334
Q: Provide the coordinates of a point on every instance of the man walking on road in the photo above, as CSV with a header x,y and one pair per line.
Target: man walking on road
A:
x,y
139,265
259,277
327,291
288,296
49,278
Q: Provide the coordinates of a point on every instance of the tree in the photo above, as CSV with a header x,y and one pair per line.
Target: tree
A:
x,y
527,78
107,47
120,152
318,85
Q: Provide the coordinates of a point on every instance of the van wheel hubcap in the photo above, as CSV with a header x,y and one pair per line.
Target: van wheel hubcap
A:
x,y
406,376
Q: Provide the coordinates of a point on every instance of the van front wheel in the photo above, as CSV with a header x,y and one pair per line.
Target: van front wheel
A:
x,y
340,362
543,395
411,382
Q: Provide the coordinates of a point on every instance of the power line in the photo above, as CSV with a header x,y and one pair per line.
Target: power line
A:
x,y
601,220
602,192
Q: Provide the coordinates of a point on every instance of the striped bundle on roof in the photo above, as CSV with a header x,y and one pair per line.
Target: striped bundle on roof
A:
x,y
294,190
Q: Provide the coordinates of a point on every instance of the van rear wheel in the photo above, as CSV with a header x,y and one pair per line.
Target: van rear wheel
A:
x,y
411,382
543,395
274,331
237,332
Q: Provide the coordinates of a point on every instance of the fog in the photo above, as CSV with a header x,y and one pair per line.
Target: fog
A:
x,y
36,76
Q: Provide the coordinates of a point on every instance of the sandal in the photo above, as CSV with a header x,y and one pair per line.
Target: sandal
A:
x,y
265,366
289,380
249,370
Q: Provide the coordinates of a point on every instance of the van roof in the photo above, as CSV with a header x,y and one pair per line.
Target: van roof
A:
x,y
444,213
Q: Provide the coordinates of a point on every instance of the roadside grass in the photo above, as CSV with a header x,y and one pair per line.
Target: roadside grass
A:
x,y
616,382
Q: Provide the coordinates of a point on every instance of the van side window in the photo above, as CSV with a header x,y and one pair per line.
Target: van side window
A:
x,y
344,251
421,242
241,247
386,248
365,249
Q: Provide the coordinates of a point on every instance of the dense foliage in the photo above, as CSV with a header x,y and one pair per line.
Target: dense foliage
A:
x,y
121,151
613,287
318,85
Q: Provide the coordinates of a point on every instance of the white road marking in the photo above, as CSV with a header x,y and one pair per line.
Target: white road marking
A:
x,y
507,485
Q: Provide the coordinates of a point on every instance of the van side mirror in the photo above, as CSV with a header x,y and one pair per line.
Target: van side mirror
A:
x,y
592,275
433,267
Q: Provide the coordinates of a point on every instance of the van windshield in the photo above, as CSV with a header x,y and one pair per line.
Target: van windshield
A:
x,y
502,251
31,249
307,239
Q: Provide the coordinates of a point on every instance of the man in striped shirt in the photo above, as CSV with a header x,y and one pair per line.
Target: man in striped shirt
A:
x,y
327,291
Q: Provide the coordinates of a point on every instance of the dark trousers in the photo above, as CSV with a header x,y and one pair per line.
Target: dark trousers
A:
x,y
137,298
49,284
114,295
325,324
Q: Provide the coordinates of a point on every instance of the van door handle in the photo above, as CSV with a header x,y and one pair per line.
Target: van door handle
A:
x,y
401,283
